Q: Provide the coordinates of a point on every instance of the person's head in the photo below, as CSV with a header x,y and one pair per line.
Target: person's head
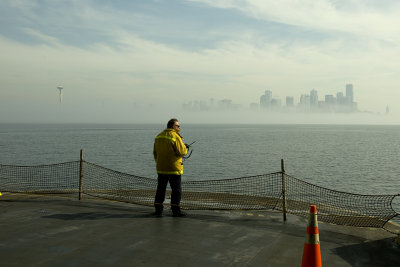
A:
x,y
173,124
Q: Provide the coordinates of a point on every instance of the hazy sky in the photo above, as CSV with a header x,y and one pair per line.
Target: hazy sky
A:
x,y
134,61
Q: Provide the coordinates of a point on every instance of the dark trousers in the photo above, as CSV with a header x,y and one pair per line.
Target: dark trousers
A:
x,y
175,183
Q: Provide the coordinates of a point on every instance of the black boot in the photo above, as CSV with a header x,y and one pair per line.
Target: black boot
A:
x,y
159,210
178,213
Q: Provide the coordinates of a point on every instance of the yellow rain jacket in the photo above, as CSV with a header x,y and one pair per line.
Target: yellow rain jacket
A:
x,y
168,152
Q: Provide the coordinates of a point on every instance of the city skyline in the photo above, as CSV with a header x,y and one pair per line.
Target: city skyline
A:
x,y
340,102
311,102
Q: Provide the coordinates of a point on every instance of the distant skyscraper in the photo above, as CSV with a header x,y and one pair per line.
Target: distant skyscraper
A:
x,y
268,97
349,92
341,100
265,99
305,99
289,101
313,99
330,99
305,102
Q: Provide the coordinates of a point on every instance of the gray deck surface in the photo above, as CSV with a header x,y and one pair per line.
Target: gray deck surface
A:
x,y
51,231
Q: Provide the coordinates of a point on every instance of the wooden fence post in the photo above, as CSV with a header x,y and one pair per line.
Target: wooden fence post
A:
x,y
80,175
283,190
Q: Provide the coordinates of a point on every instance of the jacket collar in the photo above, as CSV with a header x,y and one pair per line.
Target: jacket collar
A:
x,y
172,130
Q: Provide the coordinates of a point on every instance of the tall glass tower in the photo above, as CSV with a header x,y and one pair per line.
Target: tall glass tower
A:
x,y
349,92
266,99
314,98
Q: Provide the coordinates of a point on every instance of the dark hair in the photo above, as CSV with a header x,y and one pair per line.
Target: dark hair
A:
x,y
171,123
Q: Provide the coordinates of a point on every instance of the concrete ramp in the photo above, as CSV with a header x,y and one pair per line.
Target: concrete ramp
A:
x,y
42,231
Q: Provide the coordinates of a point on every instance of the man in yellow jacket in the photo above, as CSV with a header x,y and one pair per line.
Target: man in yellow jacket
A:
x,y
168,152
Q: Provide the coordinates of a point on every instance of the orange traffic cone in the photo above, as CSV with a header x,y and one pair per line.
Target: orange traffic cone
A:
x,y
312,250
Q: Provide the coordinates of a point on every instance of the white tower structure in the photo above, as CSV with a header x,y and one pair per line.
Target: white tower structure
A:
x,y
60,88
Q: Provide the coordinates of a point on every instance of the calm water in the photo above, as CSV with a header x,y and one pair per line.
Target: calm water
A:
x,y
357,159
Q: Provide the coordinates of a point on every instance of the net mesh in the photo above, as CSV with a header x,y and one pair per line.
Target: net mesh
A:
x,y
338,207
58,178
276,191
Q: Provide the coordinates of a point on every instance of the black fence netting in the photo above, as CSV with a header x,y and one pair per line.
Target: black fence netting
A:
x,y
104,183
276,191
339,207
58,178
